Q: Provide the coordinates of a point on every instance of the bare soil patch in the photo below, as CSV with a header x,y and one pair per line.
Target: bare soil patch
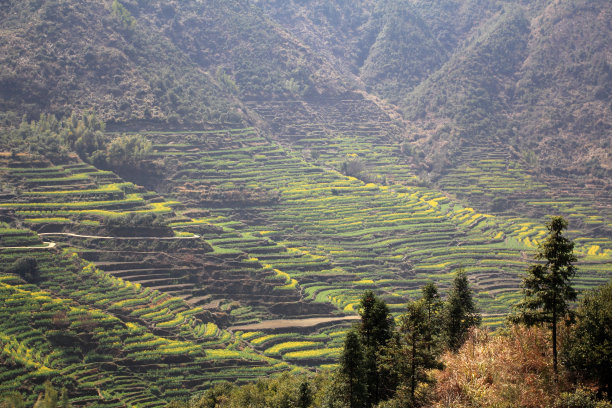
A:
x,y
288,323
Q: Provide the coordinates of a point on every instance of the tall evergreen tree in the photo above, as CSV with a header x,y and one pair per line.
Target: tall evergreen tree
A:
x,y
376,325
547,291
352,371
375,329
460,312
432,302
409,355
305,397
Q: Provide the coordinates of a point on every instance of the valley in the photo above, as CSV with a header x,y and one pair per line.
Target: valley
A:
x,y
196,194
249,227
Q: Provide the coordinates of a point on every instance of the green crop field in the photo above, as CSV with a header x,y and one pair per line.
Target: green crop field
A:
x,y
78,322
332,236
350,234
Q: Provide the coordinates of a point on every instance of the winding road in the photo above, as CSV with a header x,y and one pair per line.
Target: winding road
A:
x,y
48,245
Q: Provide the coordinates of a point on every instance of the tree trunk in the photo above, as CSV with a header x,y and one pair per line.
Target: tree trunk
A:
x,y
554,341
351,393
413,368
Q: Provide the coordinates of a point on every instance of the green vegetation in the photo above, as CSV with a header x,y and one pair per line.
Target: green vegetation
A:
x,y
411,355
78,319
26,268
488,121
330,225
54,139
547,291
50,399
588,352
460,313
374,333
238,181
352,371
124,15
126,152
505,368
343,207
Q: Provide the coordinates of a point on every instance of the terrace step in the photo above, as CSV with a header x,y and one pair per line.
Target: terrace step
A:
x,y
149,272
118,266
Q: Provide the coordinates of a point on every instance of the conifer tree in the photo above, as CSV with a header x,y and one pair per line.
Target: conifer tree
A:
x,y
547,291
409,354
588,350
305,397
352,371
375,330
432,302
460,312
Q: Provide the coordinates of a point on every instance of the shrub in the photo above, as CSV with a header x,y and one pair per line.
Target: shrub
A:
x,y
581,398
589,349
508,370
26,268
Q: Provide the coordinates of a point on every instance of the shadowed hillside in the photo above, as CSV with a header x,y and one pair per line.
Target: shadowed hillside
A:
x,y
533,79
149,62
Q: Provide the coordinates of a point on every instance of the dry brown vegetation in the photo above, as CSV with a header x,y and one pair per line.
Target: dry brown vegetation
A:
x,y
509,369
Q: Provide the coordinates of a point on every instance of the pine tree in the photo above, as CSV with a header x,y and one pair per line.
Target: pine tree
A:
x,y
376,322
460,312
352,371
375,330
547,291
432,302
305,396
588,350
409,355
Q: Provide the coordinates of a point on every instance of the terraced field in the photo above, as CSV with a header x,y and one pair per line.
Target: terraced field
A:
x,y
295,223
234,287
110,341
148,305
491,179
351,235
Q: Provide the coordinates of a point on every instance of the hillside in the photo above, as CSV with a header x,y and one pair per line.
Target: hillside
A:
x,y
284,239
263,163
464,73
119,304
155,62
528,81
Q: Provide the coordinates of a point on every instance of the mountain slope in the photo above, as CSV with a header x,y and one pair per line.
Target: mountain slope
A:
x,y
59,56
533,76
153,62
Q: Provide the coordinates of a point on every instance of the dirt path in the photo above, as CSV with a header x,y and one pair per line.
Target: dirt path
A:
x,y
70,234
47,245
288,323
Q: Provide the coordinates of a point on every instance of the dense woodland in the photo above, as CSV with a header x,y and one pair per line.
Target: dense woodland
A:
x,y
264,203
